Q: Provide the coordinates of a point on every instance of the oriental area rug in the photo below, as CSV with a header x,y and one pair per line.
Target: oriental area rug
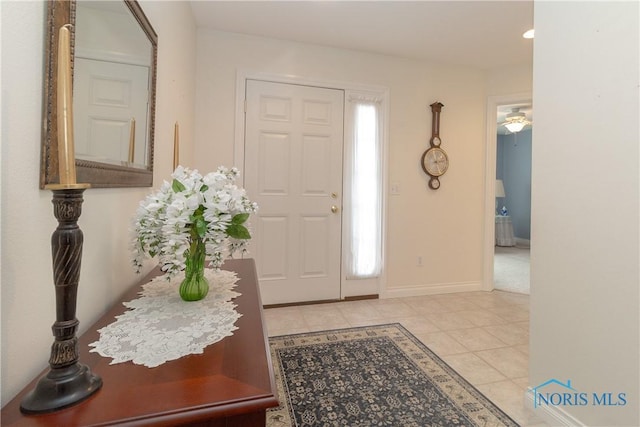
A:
x,y
371,376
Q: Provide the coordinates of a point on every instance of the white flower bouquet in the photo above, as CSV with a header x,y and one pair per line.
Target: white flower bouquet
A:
x,y
191,219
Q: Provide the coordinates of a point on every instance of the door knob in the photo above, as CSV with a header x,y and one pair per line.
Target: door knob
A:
x,y
334,209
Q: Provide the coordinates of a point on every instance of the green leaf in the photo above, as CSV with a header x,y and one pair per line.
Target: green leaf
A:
x,y
240,218
238,231
201,226
177,186
197,214
204,188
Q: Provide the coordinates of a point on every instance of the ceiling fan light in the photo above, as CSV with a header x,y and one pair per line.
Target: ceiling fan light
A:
x,y
516,115
514,127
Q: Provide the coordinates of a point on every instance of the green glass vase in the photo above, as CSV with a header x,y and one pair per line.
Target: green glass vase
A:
x,y
195,286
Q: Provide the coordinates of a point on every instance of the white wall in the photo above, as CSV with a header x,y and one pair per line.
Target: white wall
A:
x,y
585,216
28,303
444,226
510,80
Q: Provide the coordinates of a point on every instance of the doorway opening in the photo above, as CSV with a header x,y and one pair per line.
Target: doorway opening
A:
x,y
508,197
513,213
316,257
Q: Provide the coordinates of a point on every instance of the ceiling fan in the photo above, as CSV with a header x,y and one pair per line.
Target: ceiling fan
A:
x,y
515,121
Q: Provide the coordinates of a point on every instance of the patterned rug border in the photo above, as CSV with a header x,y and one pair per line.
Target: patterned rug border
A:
x,y
276,417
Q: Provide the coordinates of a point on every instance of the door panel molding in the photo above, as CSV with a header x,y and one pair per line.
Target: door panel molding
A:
x,y
310,120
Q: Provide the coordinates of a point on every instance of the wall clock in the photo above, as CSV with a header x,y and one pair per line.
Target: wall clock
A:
x,y
435,161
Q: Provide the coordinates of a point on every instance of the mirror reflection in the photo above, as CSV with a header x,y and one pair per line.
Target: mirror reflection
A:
x,y
114,83
112,68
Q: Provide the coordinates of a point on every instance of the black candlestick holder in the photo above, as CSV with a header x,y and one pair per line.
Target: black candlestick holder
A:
x,y
67,382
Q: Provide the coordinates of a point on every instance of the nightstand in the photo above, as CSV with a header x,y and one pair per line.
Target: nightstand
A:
x,y
504,231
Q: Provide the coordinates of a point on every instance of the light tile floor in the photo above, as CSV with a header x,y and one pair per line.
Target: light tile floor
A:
x,y
484,336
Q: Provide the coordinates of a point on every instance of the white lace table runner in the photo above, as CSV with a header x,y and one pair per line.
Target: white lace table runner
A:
x,y
160,326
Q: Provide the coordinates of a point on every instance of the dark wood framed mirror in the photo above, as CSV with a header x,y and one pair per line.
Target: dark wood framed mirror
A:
x,y
114,56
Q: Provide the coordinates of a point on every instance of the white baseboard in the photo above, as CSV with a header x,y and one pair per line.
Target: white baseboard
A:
x,y
435,289
552,415
523,243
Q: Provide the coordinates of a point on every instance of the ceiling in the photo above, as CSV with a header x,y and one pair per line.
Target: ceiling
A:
x,y
482,34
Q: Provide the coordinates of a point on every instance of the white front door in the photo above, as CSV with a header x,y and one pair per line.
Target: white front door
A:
x,y
293,170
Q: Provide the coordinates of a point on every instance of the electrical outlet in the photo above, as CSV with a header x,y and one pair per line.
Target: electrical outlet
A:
x,y
395,188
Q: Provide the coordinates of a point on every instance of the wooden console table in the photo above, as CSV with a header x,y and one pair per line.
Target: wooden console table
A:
x,y
230,384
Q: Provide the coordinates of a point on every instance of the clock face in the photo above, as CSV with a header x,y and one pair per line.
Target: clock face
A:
x,y
435,161
435,141
434,183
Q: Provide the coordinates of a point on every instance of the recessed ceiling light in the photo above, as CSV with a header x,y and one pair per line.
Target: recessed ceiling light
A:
x,y
528,34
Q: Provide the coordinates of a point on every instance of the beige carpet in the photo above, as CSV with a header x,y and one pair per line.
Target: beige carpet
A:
x,y
511,269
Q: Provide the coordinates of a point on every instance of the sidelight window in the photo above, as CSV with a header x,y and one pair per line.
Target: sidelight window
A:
x,y
363,256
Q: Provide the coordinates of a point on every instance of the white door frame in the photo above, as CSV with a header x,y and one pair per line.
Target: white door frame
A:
x,y
493,102
238,151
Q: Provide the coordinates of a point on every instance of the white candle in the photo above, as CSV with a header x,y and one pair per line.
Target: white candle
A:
x,y
66,154
176,146
132,139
